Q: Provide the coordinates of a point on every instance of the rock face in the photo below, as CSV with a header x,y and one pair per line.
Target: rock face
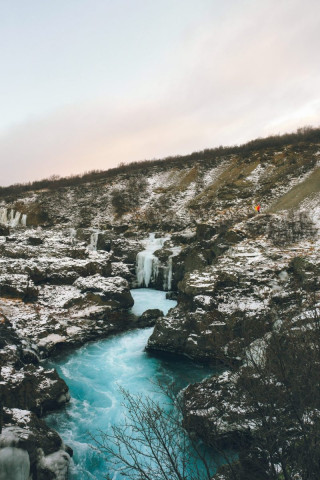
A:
x,y
18,286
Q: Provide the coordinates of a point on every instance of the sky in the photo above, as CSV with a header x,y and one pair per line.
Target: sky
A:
x,y
89,84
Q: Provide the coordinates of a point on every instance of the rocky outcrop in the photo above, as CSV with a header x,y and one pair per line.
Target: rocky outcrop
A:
x,y
229,302
33,388
18,286
211,410
112,291
149,317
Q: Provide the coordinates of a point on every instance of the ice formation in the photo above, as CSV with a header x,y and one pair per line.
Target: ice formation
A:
x,y
12,218
147,267
94,240
14,464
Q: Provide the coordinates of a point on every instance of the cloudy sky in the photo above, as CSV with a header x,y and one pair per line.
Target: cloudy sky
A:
x,y
87,84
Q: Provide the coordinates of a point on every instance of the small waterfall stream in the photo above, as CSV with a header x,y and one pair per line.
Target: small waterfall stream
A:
x,y
94,240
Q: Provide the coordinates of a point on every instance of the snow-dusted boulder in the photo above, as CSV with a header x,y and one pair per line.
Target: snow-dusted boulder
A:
x,y
149,317
113,291
33,388
17,286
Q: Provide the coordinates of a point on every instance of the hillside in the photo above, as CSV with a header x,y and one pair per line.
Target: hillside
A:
x,y
68,260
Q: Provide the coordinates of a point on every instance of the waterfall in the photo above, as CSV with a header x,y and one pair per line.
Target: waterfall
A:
x,y
167,277
3,216
12,218
24,220
94,240
147,267
73,233
16,216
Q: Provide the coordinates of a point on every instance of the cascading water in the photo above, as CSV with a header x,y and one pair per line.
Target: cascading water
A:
x,y
12,218
94,240
148,265
73,234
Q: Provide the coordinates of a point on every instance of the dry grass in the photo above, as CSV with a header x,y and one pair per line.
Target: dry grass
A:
x,y
298,193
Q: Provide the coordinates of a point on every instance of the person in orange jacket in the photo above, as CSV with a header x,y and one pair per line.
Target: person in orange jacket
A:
x,y
257,208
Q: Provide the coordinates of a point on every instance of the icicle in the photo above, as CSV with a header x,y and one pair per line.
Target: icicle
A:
x,y
10,216
73,233
94,240
3,216
147,266
24,220
167,274
15,218
169,281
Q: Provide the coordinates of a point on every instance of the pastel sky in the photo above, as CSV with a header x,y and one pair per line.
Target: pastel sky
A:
x,y
87,84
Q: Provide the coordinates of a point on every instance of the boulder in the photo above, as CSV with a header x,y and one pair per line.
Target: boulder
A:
x,y
149,317
33,388
198,335
4,231
113,291
34,241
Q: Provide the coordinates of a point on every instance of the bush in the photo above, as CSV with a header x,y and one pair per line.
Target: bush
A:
x,y
129,198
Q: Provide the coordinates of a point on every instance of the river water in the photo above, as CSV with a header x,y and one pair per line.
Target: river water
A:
x,y
94,374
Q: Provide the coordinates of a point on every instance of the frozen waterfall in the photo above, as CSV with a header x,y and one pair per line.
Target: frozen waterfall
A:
x,y
12,218
147,266
94,241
